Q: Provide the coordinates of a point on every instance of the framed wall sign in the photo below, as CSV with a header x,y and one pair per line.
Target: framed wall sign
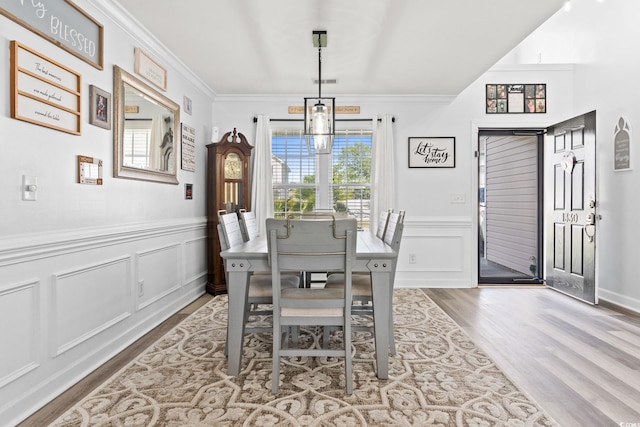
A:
x,y
432,152
63,24
622,145
99,107
43,91
188,153
516,98
148,68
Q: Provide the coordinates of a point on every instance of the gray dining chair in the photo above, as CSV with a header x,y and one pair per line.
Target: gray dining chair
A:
x,y
361,283
312,245
259,296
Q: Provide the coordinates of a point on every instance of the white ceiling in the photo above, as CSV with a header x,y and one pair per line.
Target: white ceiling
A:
x,y
375,47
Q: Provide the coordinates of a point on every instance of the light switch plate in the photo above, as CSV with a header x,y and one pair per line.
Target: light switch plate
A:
x,y
29,188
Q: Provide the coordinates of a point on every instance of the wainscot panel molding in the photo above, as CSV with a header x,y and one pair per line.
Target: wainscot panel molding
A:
x,y
153,282
77,313
195,259
71,299
20,303
436,252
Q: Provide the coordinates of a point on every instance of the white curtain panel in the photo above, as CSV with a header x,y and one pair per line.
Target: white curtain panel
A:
x,y
261,186
383,175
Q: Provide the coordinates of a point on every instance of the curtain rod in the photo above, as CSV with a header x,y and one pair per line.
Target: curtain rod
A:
x,y
255,120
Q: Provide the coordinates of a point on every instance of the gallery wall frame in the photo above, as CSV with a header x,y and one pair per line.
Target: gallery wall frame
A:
x,y
149,68
188,151
99,107
523,98
43,91
432,152
89,170
622,145
62,23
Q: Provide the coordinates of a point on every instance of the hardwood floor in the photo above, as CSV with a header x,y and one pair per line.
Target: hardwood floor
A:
x,y
579,362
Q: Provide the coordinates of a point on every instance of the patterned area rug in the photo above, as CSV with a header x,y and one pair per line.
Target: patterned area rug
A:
x,y
438,378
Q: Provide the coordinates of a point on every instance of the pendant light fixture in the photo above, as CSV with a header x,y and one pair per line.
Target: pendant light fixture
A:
x,y
319,113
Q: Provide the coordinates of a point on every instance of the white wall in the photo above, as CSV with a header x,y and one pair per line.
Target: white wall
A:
x,y
600,39
70,262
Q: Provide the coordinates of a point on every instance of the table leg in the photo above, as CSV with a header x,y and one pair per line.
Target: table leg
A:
x,y
380,282
238,290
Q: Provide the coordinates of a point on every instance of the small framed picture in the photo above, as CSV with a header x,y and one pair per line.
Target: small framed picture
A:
x,y
100,107
187,104
432,152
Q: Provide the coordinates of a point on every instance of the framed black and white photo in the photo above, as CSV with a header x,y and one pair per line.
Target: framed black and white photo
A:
x,y
432,152
100,107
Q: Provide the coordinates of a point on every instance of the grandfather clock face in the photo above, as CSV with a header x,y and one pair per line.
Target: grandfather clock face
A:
x,y
233,166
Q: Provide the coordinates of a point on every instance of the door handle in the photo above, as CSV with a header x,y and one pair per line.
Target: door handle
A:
x,y
590,225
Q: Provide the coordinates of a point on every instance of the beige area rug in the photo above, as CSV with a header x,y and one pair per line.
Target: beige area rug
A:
x,y
438,378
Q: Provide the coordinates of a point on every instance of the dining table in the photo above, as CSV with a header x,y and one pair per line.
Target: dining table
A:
x,y
372,256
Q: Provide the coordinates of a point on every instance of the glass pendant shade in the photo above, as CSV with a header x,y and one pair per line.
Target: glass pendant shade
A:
x,y
319,124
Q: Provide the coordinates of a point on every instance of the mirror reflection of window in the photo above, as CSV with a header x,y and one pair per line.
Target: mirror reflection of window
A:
x,y
148,133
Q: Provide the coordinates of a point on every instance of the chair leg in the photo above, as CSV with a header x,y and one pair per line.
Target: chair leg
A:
x,y
348,368
275,380
392,340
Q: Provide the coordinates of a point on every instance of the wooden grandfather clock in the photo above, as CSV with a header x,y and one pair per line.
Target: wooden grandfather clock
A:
x,y
228,188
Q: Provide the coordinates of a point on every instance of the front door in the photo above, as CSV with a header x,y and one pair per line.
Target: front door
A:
x,y
570,205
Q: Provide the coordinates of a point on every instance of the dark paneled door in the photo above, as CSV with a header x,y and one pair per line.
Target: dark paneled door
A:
x,y
571,205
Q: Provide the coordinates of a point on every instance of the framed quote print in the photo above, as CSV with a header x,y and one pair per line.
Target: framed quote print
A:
x,y
43,91
432,152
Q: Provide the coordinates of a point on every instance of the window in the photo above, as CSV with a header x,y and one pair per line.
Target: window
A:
x,y
136,143
305,182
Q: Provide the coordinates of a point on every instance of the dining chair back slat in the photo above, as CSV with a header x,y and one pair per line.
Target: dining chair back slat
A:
x,y
382,223
249,225
231,227
395,218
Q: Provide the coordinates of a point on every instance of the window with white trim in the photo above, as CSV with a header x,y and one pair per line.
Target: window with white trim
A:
x,y
306,182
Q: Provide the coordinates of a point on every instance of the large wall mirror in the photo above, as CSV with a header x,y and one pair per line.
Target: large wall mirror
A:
x,y
146,126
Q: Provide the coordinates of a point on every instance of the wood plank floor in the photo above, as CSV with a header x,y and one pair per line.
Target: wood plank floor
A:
x,y
579,362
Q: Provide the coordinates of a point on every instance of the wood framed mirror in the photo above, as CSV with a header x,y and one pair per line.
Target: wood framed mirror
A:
x,y
146,127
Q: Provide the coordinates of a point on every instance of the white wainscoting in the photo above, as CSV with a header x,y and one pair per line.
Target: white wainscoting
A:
x,y
443,250
19,331
82,306
70,300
